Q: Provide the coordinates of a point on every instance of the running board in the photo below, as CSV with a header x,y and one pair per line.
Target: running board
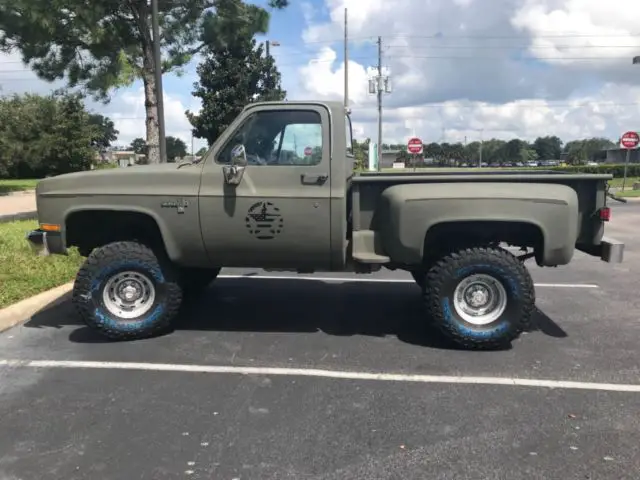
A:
x,y
367,247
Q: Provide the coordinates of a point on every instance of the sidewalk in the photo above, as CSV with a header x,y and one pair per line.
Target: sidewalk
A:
x,y
18,204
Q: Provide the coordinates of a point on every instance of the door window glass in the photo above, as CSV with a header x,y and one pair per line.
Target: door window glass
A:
x,y
285,137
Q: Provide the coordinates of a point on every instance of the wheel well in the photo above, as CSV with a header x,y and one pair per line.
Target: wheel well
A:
x,y
475,233
90,229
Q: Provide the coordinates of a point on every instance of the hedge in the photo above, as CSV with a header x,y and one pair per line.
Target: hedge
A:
x,y
617,170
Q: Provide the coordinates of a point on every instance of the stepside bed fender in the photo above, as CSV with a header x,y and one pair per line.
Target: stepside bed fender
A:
x,y
407,213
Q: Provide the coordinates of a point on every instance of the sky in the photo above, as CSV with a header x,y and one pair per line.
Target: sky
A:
x,y
459,69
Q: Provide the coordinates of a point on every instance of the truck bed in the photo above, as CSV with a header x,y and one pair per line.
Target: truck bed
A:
x,y
591,191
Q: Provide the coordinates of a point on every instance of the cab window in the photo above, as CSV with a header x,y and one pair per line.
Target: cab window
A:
x,y
282,137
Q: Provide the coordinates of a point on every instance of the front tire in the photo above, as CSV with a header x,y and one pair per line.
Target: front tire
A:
x,y
481,298
124,292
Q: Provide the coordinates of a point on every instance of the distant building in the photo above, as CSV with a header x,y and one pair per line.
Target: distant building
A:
x,y
619,155
123,158
389,157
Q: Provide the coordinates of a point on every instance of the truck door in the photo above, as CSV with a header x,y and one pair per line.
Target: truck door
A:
x,y
278,215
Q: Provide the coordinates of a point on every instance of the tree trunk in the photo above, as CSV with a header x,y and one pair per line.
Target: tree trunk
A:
x,y
151,106
149,81
151,111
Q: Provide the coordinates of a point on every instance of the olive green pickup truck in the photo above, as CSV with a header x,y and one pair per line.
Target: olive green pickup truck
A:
x,y
277,191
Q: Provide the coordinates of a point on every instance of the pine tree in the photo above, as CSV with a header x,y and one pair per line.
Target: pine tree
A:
x,y
232,76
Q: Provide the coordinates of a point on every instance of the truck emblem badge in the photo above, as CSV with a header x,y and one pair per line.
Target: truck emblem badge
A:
x,y
264,220
179,204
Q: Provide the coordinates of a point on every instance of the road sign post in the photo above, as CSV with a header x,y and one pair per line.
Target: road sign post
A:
x,y
629,141
414,147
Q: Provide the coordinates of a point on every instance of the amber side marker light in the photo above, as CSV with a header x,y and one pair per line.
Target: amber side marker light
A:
x,y
49,227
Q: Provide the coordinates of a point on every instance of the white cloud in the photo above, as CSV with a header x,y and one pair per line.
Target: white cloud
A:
x,y
459,69
468,68
599,29
128,114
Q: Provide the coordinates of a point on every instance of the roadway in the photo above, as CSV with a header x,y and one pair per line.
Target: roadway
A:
x,y
278,378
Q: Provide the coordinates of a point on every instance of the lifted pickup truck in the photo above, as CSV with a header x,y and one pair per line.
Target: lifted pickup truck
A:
x,y
277,191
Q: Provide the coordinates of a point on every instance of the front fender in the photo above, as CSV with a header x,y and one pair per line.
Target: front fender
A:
x,y
407,212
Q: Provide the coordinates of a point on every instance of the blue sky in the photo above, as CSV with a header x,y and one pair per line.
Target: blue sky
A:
x,y
472,85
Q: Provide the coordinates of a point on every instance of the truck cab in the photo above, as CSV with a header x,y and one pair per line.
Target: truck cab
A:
x,y
285,203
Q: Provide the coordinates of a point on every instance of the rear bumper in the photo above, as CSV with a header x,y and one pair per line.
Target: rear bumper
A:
x,y
46,243
609,250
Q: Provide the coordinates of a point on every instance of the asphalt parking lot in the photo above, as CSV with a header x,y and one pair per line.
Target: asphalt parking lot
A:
x,y
277,378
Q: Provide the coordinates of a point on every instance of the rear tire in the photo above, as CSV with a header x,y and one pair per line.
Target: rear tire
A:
x,y
420,277
124,292
481,298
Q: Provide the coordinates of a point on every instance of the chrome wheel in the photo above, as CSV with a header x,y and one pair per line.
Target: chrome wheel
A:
x,y
129,295
480,299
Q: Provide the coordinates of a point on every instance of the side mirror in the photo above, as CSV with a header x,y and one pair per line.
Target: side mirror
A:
x,y
234,172
239,156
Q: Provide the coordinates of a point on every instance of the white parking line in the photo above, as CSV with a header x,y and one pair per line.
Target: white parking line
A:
x,y
384,280
312,372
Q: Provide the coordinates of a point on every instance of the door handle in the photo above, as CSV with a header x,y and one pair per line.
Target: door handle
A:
x,y
318,179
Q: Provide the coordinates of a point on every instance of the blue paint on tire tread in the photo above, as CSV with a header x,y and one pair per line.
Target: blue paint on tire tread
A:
x,y
463,262
116,256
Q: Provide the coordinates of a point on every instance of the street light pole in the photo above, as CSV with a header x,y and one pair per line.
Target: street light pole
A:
x,y
157,59
268,45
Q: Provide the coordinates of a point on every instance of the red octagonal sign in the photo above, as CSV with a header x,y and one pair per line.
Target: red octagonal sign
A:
x,y
630,140
414,146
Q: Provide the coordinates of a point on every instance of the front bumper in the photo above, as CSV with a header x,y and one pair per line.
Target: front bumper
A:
x,y
46,243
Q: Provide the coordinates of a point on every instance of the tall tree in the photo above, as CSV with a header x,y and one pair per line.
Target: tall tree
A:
x,y
201,152
139,146
548,148
44,135
176,148
101,45
231,76
105,132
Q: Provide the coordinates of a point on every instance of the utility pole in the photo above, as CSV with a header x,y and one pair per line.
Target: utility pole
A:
x,y
162,140
480,148
346,61
379,102
379,84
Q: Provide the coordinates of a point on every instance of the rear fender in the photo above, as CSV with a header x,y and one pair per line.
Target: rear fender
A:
x,y
408,212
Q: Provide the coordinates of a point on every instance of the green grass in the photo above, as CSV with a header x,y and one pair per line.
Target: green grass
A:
x,y
628,193
617,182
22,272
8,186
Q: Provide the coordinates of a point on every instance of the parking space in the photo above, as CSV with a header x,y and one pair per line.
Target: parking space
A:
x,y
266,402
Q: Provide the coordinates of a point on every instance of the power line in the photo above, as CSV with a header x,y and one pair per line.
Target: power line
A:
x,y
312,61
509,47
523,36
515,104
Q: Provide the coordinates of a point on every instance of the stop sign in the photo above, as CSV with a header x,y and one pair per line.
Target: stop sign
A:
x,y
414,146
630,140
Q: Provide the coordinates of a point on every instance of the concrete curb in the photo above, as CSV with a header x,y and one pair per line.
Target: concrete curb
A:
x,y
19,216
24,310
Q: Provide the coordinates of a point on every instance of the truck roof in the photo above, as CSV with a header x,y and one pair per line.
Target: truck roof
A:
x,y
332,105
